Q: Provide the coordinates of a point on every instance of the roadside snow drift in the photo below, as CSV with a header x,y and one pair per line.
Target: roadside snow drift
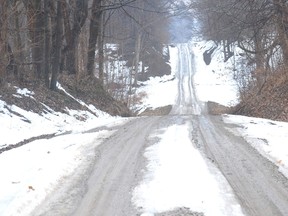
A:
x,y
269,137
31,172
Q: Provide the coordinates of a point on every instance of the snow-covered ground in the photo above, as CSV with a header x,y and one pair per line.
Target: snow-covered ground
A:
x,y
30,172
178,176
214,82
270,138
166,186
165,86
18,124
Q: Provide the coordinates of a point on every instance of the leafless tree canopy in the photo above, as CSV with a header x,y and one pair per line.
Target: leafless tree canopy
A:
x,y
258,27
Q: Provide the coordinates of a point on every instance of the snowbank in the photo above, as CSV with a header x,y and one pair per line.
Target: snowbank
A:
x,y
269,137
32,171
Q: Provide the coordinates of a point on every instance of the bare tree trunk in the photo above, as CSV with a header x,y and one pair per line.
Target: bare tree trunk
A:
x,y
260,72
39,39
35,25
95,23
72,35
101,49
137,56
259,55
18,44
282,24
57,48
3,41
47,44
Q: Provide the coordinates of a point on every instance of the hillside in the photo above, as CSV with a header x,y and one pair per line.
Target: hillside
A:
x,y
269,100
88,90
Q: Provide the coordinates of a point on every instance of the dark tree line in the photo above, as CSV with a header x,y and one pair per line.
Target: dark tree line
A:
x,y
40,39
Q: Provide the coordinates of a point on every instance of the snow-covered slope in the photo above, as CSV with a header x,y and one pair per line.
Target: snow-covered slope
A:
x,y
30,172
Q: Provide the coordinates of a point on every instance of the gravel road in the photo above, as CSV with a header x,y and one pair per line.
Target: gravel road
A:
x,y
259,187
117,170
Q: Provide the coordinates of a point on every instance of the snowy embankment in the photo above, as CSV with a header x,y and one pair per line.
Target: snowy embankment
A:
x,y
33,171
215,82
18,124
270,138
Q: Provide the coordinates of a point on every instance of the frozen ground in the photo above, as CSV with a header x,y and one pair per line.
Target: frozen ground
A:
x,y
34,170
177,175
213,83
29,173
270,138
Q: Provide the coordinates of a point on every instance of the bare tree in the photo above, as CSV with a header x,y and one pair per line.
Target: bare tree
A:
x,y
74,14
36,33
57,44
95,23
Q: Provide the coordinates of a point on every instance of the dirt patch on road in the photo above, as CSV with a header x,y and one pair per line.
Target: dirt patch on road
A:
x,y
159,111
180,212
213,108
217,109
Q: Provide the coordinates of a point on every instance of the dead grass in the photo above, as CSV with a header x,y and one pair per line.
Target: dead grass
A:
x,y
267,101
137,98
159,111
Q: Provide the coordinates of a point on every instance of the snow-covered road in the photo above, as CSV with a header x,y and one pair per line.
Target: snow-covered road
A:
x,y
158,163
257,183
186,102
187,163
179,175
154,165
